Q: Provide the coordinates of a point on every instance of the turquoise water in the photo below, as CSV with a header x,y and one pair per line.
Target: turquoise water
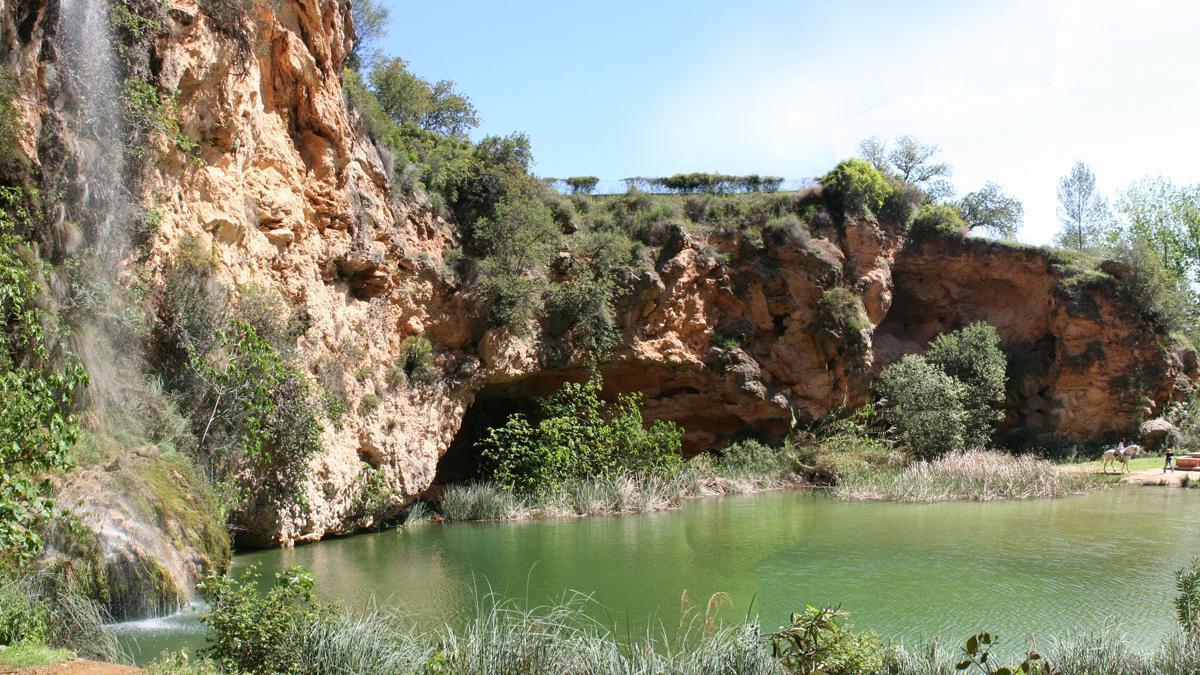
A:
x,y
908,571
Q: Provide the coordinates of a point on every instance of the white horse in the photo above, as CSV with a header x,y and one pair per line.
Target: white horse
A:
x,y
1122,453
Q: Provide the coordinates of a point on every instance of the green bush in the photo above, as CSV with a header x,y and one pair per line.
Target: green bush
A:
x,y
973,356
37,389
416,361
252,632
252,409
857,188
1187,603
578,436
923,405
820,641
845,309
516,245
1163,299
938,220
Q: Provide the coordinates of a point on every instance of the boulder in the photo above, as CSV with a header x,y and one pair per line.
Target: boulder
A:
x,y
1158,433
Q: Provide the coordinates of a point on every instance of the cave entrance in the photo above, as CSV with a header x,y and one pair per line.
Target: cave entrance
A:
x,y
492,407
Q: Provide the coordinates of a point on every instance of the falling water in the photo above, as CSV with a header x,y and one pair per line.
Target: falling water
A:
x,y
97,202
101,201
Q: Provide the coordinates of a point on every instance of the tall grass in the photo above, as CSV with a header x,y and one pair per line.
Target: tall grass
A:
x,y
37,609
973,474
750,467
505,639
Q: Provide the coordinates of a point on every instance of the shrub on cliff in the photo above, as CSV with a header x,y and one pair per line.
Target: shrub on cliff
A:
x,y
578,436
1162,298
256,416
856,187
516,244
845,309
938,220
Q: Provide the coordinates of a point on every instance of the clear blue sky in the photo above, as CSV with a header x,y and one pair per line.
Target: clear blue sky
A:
x,y
1014,91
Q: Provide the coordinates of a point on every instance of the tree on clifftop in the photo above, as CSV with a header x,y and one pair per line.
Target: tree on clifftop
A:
x,y
988,208
1083,212
912,161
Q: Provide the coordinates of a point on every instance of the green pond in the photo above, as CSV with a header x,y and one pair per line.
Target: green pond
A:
x,y
907,571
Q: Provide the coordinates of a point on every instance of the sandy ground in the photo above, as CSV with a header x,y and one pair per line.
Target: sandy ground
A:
x,y
74,667
1157,477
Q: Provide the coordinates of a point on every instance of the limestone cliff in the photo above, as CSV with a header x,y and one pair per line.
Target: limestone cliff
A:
x,y
280,181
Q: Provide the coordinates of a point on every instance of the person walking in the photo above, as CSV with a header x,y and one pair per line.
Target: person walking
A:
x,y
1167,465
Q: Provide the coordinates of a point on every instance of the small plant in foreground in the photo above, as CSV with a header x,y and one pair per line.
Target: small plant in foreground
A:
x,y
251,632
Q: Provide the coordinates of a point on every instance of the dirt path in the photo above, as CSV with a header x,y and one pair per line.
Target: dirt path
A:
x,y
74,667
1157,477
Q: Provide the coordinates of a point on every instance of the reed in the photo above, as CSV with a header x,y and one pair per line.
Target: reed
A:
x,y
973,474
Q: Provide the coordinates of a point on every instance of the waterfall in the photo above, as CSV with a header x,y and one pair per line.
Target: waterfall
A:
x,y
101,205
104,328
98,203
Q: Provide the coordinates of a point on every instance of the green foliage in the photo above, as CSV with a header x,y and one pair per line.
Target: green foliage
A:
x,y
410,100
29,655
856,187
1187,603
417,360
582,184
820,641
702,182
923,405
845,309
977,658
1162,298
251,633
148,113
370,23
991,210
1085,216
972,356
1166,218
938,220
911,162
578,436
947,399
253,410
372,497
37,429
40,610
516,245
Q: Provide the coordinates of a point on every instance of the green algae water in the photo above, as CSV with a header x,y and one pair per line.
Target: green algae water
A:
x,y
907,571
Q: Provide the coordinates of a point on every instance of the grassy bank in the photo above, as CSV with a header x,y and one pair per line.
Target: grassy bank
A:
x,y
851,468
974,474
745,468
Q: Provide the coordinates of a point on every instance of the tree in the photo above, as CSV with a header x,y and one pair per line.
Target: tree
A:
x,y
1166,218
408,99
1083,212
875,150
923,406
912,161
988,208
973,356
582,184
370,23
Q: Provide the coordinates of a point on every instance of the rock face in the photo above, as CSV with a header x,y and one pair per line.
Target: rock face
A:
x,y
289,193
